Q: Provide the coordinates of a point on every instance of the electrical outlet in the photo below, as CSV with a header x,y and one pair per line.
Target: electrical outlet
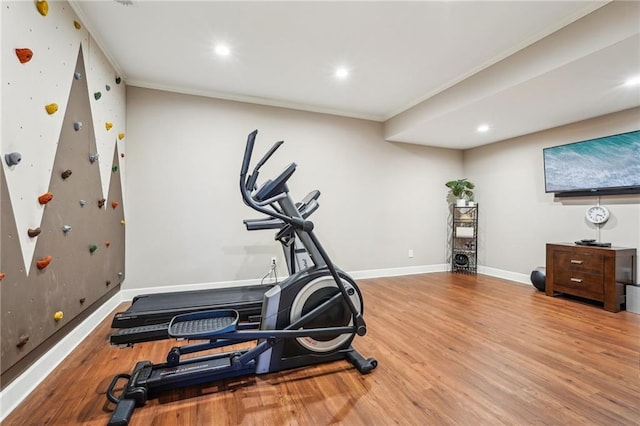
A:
x,y
410,253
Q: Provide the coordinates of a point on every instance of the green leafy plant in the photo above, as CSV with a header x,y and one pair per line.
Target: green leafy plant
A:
x,y
461,188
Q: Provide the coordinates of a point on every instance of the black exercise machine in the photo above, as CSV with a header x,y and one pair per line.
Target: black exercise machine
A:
x,y
309,318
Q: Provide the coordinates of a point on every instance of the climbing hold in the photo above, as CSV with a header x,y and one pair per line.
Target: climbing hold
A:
x,y
34,232
97,95
108,125
24,55
94,157
108,283
66,228
120,136
82,203
77,75
2,275
51,108
114,169
77,25
77,125
45,198
82,300
22,340
118,80
122,155
44,262
13,159
122,222
114,204
43,7
101,202
93,248
107,243
120,274
106,86
66,174
58,315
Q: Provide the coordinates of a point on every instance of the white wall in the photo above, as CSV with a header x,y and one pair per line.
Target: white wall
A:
x,y
184,210
517,217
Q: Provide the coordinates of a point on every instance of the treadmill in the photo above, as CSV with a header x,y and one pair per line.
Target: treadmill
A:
x,y
148,317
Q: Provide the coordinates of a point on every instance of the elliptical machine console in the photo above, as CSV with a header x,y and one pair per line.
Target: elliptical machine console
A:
x,y
309,318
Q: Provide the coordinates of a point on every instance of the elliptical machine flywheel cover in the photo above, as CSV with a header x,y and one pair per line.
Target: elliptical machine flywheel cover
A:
x,y
312,295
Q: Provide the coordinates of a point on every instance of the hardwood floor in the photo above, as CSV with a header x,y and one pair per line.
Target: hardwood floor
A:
x,y
452,349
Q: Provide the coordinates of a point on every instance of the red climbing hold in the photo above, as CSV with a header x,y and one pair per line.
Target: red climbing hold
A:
x,y
2,275
45,198
44,262
24,55
114,204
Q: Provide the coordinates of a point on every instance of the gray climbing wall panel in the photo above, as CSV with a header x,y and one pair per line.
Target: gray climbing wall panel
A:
x,y
77,280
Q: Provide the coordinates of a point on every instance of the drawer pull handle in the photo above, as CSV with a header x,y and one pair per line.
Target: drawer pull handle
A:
x,y
576,280
577,262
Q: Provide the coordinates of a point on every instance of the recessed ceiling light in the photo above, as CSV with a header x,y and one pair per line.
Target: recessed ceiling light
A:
x,y
222,50
342,73
483,128
633,81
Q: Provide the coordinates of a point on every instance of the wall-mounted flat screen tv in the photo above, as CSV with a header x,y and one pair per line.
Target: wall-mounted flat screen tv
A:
x,y
604,166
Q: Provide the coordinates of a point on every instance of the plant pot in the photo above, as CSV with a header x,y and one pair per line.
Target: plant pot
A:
x,y
461,202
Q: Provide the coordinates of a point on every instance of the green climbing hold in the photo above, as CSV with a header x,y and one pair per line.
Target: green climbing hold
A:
x,y
114,169
93,248
118,80
97,95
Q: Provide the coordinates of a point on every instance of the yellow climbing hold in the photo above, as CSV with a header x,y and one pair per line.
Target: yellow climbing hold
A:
x,y
108,125
58,316
51,108
122,222
120,136
77,25
43,7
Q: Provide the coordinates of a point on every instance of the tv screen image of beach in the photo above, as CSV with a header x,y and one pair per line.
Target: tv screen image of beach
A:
x,y
609,162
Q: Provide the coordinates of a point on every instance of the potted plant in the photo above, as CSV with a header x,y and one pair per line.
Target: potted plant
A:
x,y
461,189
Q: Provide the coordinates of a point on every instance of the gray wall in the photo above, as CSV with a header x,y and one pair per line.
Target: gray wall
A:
x,y
379,199
517,218
184,210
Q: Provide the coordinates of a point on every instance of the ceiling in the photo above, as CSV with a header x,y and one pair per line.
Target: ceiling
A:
x,y
432,72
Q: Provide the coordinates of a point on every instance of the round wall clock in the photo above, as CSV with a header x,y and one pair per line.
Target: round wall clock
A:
x,y
597,214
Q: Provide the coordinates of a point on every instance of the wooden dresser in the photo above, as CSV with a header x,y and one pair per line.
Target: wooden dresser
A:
x,y
595,273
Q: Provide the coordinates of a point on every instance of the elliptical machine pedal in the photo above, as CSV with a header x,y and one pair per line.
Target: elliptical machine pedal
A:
x,y
203,325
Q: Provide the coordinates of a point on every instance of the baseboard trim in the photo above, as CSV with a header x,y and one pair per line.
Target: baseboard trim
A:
x,y
16,391
22,386
396,272
507,275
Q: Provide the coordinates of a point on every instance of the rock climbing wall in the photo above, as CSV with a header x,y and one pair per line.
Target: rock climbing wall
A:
x,y
62,224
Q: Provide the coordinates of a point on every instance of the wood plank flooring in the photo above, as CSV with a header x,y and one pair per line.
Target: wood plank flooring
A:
x,y
452,350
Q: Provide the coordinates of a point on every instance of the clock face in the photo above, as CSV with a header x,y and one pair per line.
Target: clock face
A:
x,y
597,214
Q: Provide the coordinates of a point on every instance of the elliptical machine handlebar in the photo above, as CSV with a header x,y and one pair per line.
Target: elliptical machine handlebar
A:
x,y
248,185
259,199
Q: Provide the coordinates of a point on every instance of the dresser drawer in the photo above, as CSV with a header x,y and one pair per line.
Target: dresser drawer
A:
x,y
578,261
579,283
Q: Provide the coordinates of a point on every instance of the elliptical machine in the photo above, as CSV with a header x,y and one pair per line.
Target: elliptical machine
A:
x,y
309,318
